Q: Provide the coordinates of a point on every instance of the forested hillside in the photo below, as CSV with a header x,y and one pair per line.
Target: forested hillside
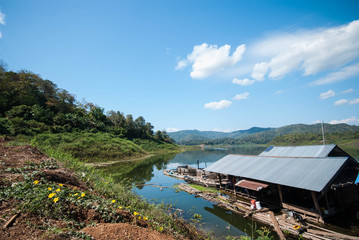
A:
x,y
266,135
30,105
36,108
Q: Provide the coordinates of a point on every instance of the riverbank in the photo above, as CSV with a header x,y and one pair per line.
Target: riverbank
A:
x,y
60,199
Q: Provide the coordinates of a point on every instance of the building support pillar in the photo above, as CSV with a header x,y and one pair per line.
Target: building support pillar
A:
x,y
316,204
280,196
220,180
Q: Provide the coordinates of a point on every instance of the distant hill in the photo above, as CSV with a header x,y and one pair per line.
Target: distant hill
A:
x,y
255,135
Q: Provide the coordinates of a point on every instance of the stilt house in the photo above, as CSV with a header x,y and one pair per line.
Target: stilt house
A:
x,y
317,181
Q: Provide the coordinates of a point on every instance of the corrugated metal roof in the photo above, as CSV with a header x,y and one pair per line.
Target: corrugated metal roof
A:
x,y
299,151
256,186
305,173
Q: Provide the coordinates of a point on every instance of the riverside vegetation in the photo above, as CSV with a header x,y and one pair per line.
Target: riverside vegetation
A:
x,y
35,111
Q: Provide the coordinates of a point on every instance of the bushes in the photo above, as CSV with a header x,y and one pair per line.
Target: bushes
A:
x,y
91,147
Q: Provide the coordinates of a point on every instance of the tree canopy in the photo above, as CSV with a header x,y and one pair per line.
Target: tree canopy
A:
x,y
30,105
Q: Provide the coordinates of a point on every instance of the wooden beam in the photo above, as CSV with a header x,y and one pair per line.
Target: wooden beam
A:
x,y
327,202
316,204
276,226
220,180
280,195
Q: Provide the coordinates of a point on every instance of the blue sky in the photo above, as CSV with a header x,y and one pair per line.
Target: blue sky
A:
x,y
207,65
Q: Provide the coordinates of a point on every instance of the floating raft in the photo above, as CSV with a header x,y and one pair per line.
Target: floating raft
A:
x,y
281,223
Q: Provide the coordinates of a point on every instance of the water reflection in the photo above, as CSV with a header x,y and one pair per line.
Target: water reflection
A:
x,y
159,188
137,172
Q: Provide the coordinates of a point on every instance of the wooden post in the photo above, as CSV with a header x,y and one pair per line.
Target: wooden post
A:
x,y
327,202
220,180
317,207
280,195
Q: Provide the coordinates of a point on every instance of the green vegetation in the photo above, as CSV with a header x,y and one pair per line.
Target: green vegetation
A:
x,y
56,201
30,105
260,135
36,108
204,189
103,147
348,141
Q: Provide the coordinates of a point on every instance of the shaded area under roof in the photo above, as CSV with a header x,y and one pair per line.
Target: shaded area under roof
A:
x,y
306,173
299,151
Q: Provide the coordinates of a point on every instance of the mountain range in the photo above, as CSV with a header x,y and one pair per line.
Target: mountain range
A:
x,y
256,135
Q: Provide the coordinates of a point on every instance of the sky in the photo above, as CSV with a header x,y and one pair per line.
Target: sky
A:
x,y
206,65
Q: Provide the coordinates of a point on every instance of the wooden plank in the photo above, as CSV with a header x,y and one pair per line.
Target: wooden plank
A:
x,y
276,226
300,210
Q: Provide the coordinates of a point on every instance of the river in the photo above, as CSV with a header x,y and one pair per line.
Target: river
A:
x,y
160,188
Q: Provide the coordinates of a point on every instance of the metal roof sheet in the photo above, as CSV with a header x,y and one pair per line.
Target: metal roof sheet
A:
x,y
299,151
256,186
305,173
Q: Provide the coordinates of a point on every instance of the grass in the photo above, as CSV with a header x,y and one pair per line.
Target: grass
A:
x,y
204,189
104,185
102,147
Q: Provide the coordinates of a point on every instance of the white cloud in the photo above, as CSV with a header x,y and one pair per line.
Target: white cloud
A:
x,y
308,51
340,102
209,59
2,18
172,130
0,35
355,101
243,82
259,70
328,94
278,92
221,130
350,90
241,96
181,64
342,74
352,121
218,105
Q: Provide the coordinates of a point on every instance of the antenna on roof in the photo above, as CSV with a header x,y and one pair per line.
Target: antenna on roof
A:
x,y
323,133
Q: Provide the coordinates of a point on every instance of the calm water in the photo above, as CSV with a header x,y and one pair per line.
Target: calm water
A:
x,y
216,220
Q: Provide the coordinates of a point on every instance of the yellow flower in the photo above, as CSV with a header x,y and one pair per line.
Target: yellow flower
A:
x,y
56,199
119,207
135,213
58,190
51,195
82,194
128,207
139,217
113,201
60,184
36,182
74,188
145,218
296,227
161,229
49,188
76,194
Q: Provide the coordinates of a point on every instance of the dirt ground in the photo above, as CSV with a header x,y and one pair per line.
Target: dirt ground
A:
x,y
30,226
